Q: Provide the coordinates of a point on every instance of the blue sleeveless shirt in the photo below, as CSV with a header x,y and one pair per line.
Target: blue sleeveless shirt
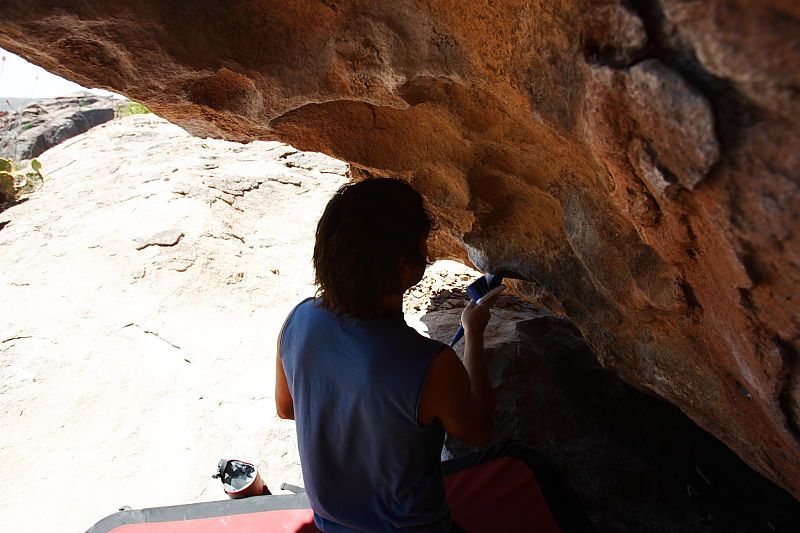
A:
x,y
368,465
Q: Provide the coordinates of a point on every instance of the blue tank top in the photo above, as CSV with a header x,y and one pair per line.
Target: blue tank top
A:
x,y
368,465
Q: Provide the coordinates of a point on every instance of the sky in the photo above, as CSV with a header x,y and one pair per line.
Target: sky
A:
x,y
21,79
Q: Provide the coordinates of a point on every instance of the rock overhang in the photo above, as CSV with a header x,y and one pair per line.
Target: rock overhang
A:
x,y
638,167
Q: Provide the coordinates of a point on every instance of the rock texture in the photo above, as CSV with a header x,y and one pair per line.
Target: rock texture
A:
x,y
635,462
31,130
635,163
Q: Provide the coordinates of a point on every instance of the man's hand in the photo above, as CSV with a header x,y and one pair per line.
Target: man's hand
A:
x,y
476,315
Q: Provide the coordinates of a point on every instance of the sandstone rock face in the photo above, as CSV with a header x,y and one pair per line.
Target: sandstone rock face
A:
x,y
635,163
635,462
42,125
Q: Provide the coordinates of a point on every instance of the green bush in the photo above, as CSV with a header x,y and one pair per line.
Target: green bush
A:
x,y
8,191
22,178
131,108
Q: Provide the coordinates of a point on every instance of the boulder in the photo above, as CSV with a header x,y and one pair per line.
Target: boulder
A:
x,y
635,164
32,129
635,462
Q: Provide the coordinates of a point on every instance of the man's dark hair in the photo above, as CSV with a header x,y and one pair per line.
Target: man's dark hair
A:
x,y
365,230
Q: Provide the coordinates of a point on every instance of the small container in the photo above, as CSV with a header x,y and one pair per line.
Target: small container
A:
x,y
240,479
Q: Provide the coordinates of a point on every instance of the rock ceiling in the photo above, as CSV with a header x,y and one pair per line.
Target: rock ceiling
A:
x,y
636,163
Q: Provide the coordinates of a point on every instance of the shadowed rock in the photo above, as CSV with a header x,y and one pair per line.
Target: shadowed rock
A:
x,y
31,130
635,462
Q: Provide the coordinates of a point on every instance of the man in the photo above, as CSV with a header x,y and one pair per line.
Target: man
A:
x,y
373,398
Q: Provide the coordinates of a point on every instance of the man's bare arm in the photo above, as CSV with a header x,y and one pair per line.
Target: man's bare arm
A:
x,y
461,395
465,411
284,404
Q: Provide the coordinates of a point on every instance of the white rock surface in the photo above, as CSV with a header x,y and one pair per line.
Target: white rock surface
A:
x,y
141,296
126,374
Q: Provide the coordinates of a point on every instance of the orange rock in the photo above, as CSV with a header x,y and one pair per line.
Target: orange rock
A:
x,y
656,204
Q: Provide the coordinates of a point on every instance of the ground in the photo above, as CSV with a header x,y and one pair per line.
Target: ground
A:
x,y
143,289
